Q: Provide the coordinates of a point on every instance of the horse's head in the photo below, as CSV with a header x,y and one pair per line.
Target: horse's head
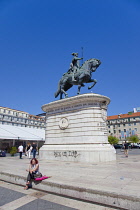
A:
x,y
93,64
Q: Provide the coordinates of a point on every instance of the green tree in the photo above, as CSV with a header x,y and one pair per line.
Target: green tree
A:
x,y
133,139
113,140
13,151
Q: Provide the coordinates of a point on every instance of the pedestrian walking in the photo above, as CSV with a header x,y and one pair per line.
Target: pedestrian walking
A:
x,y
34,149
126,145
20,149
28,150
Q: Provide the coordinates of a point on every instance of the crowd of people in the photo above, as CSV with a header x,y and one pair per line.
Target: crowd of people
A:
x,y
29,148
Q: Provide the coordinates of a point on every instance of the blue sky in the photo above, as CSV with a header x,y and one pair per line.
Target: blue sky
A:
x,y
38,37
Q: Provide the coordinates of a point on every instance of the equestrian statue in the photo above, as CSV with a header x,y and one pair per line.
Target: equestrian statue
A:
x,y
77,75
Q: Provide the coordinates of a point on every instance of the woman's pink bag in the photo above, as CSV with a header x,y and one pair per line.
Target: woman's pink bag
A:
x,y
41,178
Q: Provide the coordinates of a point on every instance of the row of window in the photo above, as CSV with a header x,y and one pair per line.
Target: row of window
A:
x,y
10,112
123,130
37,118
14,119
123,125
27,123
23,115
20,125
123,120
9,117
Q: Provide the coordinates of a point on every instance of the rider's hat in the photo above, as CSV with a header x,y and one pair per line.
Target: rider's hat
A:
x,y
74,53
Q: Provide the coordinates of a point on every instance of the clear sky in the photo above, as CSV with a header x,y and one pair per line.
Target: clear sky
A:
x,y
38,37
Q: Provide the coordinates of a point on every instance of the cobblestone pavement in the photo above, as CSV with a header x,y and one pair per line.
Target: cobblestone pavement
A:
x,y
15,197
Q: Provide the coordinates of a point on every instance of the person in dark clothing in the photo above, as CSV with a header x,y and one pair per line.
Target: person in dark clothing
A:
x,y
126,145
34,149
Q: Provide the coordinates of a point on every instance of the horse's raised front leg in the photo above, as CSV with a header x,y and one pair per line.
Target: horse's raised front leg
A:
x,y
62,91
79,88
94,83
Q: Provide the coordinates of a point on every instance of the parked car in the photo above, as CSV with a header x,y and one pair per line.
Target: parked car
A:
x,y
135,146
2,153
118,146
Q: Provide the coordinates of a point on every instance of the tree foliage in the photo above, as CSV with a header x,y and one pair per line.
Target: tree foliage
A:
x,y
113,140
13,151
133,139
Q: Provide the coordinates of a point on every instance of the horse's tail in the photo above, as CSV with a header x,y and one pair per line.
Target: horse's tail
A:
x,y
59,90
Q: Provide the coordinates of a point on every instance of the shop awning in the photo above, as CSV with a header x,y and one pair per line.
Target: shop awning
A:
x,y
21,133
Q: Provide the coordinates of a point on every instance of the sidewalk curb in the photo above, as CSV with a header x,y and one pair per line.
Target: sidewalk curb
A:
x,y
102,197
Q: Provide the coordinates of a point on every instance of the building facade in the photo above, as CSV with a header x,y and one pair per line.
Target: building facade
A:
x,y
20,127
14,117
124,125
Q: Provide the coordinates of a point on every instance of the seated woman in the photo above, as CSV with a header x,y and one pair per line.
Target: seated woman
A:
x,y
33,173
33,169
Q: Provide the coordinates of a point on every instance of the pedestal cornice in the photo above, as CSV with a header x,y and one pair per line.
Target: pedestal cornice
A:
x,y
83,98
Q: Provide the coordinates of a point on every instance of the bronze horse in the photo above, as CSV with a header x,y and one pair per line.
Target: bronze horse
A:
x,y
82,75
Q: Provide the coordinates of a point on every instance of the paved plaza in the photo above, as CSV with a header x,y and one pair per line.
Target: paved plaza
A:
x,y
114,183
16,198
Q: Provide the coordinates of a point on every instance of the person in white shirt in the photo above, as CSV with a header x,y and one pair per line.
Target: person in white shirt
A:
x,y
20,149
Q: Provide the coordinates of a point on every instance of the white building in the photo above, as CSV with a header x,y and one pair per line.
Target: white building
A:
x,y
19,126
20,118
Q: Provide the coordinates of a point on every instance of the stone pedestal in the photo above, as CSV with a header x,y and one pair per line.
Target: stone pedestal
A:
x,y
76,130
